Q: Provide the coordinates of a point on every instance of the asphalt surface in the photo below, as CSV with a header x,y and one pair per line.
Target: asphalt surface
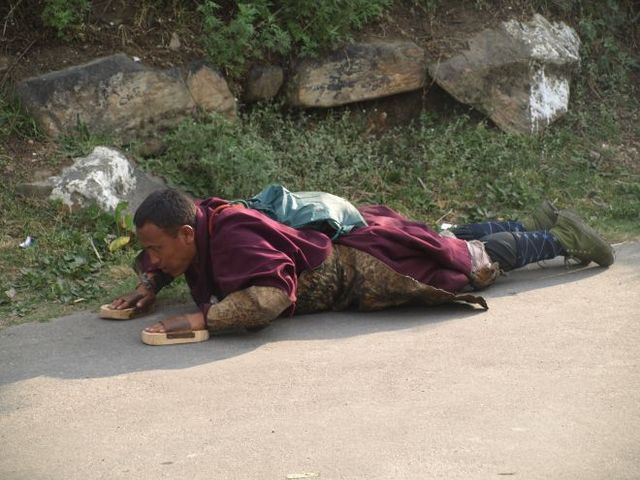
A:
x,y
544,385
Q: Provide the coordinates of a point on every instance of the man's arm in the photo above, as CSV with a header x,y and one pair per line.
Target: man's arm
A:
x,y
251,308
151,278
150,282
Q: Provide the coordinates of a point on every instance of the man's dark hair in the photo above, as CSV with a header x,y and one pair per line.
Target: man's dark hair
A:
x,y
168,209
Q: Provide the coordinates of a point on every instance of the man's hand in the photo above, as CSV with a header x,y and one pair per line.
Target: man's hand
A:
x,y
141,298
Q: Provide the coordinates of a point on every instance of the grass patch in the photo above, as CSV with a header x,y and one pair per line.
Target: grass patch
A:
x,y
437,169
69,267
455,170
14,123
460,170
64,266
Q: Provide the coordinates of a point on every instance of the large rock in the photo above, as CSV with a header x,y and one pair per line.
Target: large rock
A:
x,y
117,95
358,72
210,91
517,74
105,177
263,82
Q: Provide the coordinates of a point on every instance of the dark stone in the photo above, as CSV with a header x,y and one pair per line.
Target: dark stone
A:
x,y
263,82
113,94
356,73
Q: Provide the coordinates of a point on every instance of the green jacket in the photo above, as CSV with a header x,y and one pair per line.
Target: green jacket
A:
x,y
317,210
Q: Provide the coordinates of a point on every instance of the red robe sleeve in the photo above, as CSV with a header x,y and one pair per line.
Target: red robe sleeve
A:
x,y
242,248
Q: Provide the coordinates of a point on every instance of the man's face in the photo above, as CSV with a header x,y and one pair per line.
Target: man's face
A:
x,y
170,253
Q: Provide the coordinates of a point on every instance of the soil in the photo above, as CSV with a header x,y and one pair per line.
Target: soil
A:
x,y
143,31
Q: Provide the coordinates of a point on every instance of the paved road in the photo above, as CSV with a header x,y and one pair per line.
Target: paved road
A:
x,y
545,385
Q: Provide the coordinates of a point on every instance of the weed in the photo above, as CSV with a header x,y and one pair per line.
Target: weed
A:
x,y
257,28
81,141
123,220
429,6
608,62
468,169
65,16
14,121
67,261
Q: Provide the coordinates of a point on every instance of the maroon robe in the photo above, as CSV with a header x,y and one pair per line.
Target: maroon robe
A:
x,y
240,247
412,249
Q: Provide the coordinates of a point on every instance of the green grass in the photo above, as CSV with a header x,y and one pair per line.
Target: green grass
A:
x,y
13,120
456,170
461,169
69,267
451,168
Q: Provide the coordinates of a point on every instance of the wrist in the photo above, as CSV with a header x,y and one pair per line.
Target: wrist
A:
x,y
144,291
196,320
146,281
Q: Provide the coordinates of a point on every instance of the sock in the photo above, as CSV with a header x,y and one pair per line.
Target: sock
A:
x,y
533,247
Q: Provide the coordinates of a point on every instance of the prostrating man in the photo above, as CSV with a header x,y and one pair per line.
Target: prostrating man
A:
x,y
245,269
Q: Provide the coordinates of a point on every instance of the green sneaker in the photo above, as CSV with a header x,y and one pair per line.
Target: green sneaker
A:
x,y
543,217
580,240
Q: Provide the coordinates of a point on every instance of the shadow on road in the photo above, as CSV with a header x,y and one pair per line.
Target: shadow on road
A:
x,y
83,346
542,275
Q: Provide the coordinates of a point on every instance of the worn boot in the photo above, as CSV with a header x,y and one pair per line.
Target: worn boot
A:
x,y
581,241
543,217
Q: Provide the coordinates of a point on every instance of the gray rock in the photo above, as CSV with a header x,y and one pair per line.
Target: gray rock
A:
x,y
112,94
358,72
263,82
210,91
517,74
105,177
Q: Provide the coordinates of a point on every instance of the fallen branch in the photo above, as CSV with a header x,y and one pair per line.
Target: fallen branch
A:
x,y
6,19
444,216
24,52
95,250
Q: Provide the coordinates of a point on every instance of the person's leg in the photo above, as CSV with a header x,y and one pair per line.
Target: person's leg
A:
x,y
517,249
543,217
570,237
